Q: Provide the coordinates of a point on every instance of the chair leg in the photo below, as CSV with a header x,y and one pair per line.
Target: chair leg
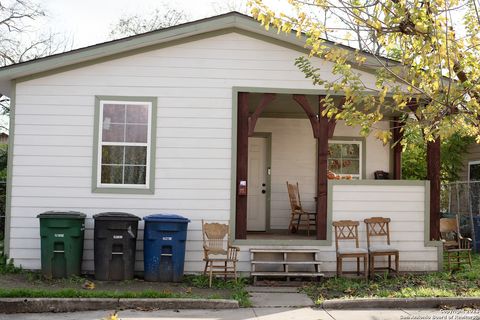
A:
x,y
372,266
470,259
235,270
365,267
211,274
358,266
389,263
205,269
397,262
225,270
448,261
339,266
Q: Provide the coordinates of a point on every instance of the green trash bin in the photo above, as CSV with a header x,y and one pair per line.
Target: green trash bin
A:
x,y
61,234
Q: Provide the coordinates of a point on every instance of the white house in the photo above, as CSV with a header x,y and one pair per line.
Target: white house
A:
x,y
159,123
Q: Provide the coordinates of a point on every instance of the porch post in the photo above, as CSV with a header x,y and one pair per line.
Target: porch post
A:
x,y
433,174
242,166
397,134
322,167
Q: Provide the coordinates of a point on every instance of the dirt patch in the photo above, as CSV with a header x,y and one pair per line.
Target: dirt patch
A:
x,y
34,281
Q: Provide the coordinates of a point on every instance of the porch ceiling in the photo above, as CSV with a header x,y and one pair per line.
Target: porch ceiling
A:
x,y
285,107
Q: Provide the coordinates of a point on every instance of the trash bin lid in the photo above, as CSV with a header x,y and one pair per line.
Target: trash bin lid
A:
x,y
123,216
62,215
162,217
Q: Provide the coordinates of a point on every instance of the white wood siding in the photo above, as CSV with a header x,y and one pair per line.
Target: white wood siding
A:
x,y
404,205
52,156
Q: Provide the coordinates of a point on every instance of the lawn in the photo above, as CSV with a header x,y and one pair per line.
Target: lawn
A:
x,y
461,283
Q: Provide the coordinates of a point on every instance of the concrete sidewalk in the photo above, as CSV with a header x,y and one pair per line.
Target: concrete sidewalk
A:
x,y
256,313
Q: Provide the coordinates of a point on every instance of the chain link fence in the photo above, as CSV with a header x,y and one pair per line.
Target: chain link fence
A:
x,y
462,198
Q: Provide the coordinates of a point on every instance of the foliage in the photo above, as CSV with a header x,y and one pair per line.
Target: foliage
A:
x,y
6,264
463,283
453,150
130,25
425,60
20,41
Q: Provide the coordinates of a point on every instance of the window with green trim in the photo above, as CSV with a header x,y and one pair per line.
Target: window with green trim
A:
x,y
124,144
345,158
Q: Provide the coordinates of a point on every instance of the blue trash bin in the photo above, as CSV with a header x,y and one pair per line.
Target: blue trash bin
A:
x,y
476,228
164,247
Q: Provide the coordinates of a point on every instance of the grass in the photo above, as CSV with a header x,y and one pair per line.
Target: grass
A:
x,y
73,293
237,288
461,283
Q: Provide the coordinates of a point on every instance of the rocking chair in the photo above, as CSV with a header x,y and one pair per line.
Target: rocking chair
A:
x,y
457,248
299,218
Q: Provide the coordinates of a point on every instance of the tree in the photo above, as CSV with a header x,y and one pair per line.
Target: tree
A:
x,y
20,42
453,149
425,57
135,24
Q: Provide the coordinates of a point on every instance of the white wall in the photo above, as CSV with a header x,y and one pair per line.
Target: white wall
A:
x,y
403,204
294,154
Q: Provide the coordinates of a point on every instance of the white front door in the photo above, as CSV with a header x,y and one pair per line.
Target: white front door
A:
x,y
257,184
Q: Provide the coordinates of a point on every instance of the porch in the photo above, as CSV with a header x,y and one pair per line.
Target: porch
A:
x,y
283,137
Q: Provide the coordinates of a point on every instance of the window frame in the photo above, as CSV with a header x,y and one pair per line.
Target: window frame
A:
x,y
149,186
470,163
361,155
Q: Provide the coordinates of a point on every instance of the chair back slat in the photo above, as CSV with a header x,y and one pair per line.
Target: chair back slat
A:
x,y
378,227
346,230
294,197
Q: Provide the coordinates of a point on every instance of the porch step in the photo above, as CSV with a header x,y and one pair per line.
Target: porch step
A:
x,y
284,262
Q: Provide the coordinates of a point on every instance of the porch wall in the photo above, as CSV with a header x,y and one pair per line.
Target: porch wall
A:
x,y
404,202
294,152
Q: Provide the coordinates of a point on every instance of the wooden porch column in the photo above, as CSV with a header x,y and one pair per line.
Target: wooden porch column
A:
x,y
397,134
242,166
433,174
322,168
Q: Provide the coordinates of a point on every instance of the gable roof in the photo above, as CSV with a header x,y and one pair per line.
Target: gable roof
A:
x,y
228,22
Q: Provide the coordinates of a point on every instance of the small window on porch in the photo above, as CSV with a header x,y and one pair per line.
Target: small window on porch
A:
x,y
345,158
474,171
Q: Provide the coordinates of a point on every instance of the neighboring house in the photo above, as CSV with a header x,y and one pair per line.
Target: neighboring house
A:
x,y
471,164
173,121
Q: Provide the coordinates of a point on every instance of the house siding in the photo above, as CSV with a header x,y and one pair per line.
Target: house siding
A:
x,y
54,125
473,154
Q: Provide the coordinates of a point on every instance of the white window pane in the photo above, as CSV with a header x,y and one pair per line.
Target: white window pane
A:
x,y
114,113
137,114
136,155
113,133
137,133
135,174
112,154
112,174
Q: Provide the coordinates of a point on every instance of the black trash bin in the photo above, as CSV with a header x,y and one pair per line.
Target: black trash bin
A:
x,y
164,247
115,242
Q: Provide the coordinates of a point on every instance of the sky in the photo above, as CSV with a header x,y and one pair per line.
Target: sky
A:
x,y
87,22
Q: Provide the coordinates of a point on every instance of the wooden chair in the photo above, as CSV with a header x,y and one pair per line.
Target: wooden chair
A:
x,y
457,248
299,218
379,227
219,255
348,230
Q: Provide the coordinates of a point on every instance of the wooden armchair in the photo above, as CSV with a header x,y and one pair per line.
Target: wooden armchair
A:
x,y
299,218
348,230
457,248
378,227
219,255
